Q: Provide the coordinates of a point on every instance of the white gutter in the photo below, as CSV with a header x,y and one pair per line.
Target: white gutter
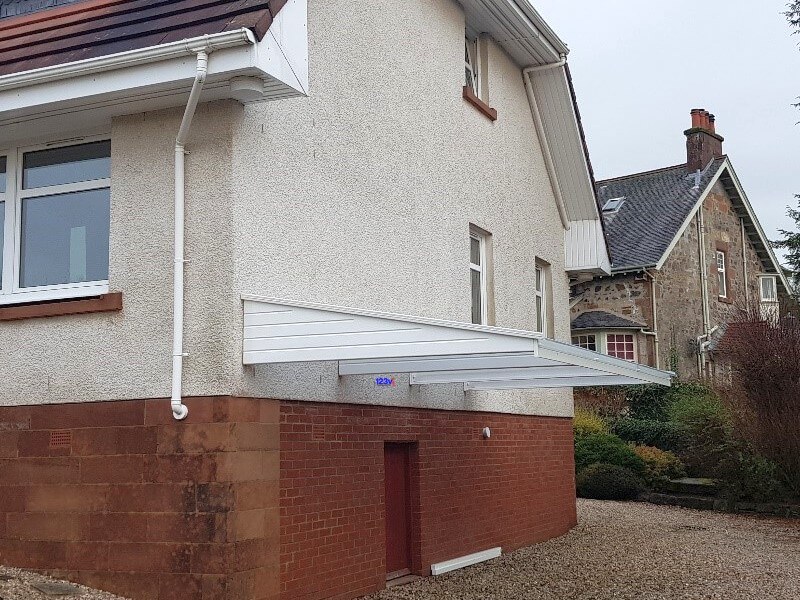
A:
x,y
130,58
537,121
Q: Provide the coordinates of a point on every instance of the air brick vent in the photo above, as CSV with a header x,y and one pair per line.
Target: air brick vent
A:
x,y
60,439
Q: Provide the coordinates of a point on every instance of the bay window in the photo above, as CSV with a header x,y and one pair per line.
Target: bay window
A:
x,y
55,203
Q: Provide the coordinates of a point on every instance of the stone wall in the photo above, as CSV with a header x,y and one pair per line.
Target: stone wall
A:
x,y
626,295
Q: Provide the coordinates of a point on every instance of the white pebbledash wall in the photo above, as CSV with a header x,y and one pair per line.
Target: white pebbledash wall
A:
x,y
360,195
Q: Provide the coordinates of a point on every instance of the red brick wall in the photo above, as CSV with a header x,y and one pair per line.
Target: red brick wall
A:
x,y
470,494
126,499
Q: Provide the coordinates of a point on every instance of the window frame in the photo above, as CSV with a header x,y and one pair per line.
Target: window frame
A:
x,y
472,64
601,340
774,279
10,253
722,274
576,341
634,345
540,299
481,269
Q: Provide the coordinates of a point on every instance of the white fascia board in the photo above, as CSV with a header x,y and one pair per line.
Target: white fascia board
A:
x,y
535,384
688,220
517,27
465,561
573,355
90,92
434,364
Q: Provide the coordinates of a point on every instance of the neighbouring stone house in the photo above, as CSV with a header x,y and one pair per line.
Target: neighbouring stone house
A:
x,y
284,297
688,256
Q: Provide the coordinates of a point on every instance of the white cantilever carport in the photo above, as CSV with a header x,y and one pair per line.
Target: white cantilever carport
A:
x,y
367,342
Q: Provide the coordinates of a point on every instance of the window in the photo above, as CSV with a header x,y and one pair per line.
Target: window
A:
x,y
477,271
589,342
471,72
541,299
55,217
613,205
722,274
620,345
769,289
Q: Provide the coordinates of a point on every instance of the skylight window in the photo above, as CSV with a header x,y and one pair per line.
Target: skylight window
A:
x,y
613,204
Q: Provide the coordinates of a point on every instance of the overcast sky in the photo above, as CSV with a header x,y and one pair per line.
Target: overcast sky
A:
x,y
640,67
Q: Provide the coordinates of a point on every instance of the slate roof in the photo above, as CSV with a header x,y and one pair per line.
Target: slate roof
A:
x,y
93,28
656,205
598,319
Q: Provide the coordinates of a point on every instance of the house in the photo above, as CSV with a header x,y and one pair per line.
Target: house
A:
x,y
284,306
688,256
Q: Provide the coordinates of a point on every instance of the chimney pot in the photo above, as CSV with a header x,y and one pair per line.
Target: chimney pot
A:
x,y
703,144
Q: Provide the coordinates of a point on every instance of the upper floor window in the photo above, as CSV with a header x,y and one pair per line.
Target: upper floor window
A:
x,y
55,216
472,72
722,274
769,288
541,299
477,271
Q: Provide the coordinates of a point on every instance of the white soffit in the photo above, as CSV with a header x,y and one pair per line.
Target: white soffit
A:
x,y
517,27
554,99
89,93
432,351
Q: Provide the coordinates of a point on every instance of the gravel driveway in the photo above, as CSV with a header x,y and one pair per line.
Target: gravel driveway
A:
x,y
637,551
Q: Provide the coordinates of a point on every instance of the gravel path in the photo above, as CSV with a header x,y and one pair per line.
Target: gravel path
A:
x,y
16,584
636,551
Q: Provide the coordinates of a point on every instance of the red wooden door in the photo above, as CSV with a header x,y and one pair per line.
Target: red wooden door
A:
x,y
398,509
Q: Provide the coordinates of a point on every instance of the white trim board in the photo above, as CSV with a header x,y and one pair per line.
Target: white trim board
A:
x,y
465,561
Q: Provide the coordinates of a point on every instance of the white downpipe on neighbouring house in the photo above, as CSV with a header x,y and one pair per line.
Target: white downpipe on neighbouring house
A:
x,y
179,409
537,122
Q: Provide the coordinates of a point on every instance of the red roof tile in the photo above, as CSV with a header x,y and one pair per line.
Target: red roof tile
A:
x,y
94,28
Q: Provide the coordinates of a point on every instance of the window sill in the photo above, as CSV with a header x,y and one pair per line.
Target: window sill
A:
x,y
105,303
724,300
482,107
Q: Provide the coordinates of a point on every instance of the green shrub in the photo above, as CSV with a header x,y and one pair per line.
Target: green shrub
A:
x,y
587,422
606,448
659,465
649,402
695,408
608,482
662,434
745,476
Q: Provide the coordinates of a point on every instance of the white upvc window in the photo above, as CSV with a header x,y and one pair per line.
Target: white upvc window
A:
x,y
769,288
722,274
54,221
477,272
471,71
541,299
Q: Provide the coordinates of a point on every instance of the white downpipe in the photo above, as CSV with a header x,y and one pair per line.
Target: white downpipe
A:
x,y
701,242
179,409
537,122
744,267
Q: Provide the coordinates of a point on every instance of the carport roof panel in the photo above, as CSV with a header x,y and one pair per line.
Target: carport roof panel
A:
x,y
363,342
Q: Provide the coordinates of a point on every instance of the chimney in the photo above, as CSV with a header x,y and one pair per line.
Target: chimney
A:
x,y
703,144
